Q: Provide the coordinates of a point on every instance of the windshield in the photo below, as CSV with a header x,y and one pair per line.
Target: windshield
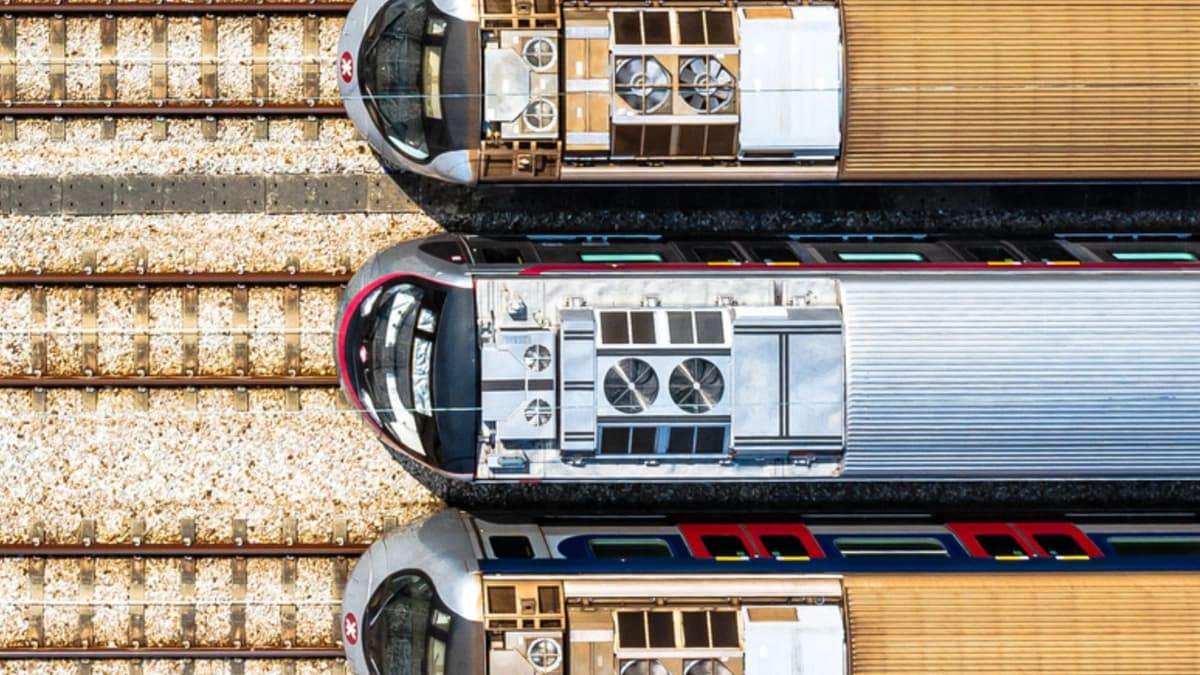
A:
x,y
406,629
401,343
401,75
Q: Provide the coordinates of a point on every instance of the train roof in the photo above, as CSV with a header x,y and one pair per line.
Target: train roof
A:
x,y
856,90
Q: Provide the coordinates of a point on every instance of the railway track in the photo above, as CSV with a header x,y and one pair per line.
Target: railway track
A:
x,y
183,600
214,60
91,330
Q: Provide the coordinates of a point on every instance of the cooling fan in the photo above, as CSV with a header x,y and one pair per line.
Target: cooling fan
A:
x,y
705,84
631,385
696,385
643,83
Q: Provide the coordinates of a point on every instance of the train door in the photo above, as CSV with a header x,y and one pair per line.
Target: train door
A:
x,y
787,640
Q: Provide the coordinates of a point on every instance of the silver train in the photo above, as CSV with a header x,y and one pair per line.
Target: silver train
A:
x,y
610,359
458,594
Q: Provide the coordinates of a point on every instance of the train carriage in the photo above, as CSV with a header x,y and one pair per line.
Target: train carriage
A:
x,y
823,595
814,90
646,359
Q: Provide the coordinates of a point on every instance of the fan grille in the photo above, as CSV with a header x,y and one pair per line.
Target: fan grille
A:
x,y
538,412
696,385
539,53
705,85
631,385
643,83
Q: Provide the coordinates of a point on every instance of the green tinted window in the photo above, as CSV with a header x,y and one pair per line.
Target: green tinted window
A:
x,y
620,549
1164,545
614,257
1153,256
890,546
880,257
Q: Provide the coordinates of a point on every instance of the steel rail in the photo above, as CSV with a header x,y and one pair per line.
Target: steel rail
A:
x,y
178,550
207,7
85,279
177,653
166,381
198,108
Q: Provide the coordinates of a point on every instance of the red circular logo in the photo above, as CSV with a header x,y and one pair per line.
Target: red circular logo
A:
x,y
346,66
350,629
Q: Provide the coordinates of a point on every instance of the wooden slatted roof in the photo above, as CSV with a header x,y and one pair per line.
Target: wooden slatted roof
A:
x,y
1000,624
961,89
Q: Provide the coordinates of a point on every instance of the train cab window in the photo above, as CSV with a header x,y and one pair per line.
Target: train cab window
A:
x,y
852,547
724,546
620,257
774,254
1153,256
1059,545
880,257
511,547
784,546
1155,545
444,250
1001,545
629,548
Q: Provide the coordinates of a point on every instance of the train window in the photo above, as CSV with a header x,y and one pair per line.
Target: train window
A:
x,y
880,257
502,599
679,325
620,257
511,546
719,254
724,546
548,599
774,254
614,328
1153,256
1001,545
709,328
642,326
624,548
1059,545
784,546
1155,545
991,253
1047,252
890,546
445,250
503,255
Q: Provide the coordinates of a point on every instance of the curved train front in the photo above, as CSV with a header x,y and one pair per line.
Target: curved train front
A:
x,y
847,90
461,595
604,360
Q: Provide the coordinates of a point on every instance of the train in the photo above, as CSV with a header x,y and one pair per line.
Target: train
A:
x,y
907,358
625,91
463,594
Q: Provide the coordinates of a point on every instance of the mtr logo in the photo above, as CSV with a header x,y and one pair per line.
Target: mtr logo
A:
x,y
346,67
350,629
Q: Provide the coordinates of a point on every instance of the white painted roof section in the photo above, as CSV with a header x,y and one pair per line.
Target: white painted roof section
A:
x,y
791,83
811,644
